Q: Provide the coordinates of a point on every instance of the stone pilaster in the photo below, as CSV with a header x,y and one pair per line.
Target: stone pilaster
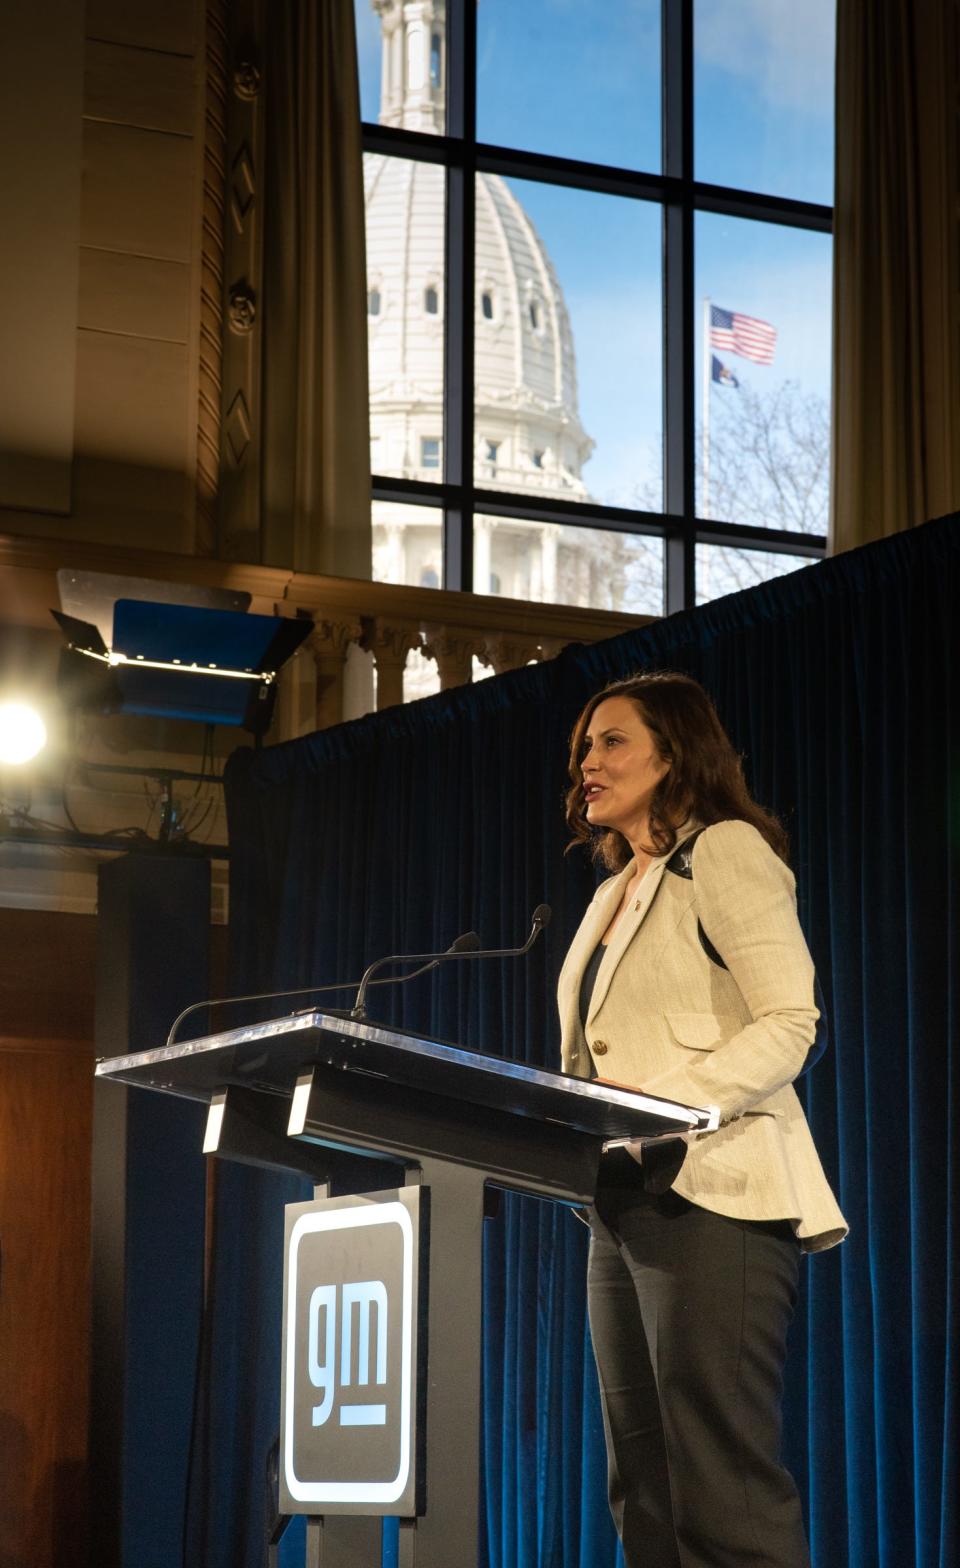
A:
x,y
328,643
389,642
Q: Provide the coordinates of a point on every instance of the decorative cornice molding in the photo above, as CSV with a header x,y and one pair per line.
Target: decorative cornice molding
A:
x,y
390,641
211,280
454,649
247,80
245,95
30,565
333,637
510,653
242,307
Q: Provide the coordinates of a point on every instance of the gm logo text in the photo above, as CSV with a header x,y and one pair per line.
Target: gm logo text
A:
x,y
351,1364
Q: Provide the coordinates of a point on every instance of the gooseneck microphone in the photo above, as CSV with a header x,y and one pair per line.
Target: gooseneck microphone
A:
x,y
540,919
465,943
465,946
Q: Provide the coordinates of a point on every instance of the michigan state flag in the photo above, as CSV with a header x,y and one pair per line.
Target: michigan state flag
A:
x,y
720,373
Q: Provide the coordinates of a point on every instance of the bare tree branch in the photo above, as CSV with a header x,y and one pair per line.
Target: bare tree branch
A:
x,y
769,468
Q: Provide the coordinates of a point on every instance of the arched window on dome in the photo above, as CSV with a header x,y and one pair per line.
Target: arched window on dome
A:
x,y
533,310
431,300
486,305
373,302
536,457
436,61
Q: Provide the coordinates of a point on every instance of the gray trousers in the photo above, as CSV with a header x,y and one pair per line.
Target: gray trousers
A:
x,y
689,1313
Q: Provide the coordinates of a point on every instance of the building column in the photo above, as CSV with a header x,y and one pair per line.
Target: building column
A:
x,y
548,558
390,644
396,555
296,709
329,643
453,651
482,529
389,94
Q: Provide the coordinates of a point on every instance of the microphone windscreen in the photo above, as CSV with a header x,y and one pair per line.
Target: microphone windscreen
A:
x,y
468,943
541,915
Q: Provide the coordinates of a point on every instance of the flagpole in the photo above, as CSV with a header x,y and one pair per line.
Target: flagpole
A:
x,y
705,460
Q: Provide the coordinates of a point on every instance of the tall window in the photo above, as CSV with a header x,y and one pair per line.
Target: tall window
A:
x,y
625,215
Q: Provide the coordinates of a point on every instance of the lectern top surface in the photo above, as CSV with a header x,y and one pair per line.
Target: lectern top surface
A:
x,y
270,1057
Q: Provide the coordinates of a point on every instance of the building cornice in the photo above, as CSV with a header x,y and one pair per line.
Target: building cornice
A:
x,y
28,592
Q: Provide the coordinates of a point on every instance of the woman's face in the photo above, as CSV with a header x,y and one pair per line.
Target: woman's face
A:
x,y
621,768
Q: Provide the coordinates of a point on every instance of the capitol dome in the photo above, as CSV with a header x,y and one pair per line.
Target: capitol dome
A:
x,y
528,432
526,374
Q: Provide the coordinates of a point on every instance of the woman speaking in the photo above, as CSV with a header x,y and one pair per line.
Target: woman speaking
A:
x,y
689,978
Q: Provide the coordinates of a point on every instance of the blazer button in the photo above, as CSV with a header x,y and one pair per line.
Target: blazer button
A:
x,y
599,1047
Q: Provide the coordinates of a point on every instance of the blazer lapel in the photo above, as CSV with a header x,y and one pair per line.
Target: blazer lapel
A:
x,y
631,920
627,927
598,916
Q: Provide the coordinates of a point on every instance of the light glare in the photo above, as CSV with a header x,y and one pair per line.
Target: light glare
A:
x,y
22,732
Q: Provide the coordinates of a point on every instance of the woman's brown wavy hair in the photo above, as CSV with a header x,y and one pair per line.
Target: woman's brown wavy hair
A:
x,y
705,779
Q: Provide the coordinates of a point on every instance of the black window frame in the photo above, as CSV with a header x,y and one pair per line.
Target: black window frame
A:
x,y
681,198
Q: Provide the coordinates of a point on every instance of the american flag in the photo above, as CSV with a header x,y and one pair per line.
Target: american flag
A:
x,y
743,335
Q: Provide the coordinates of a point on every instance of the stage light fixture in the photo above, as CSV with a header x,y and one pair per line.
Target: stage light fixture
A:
x,y
23,733
171,650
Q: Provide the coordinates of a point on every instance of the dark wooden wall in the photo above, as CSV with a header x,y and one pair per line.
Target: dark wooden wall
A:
x,y
46,1082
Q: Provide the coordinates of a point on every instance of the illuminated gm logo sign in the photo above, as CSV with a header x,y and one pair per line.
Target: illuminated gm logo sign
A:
x,y
369,1297
350,1354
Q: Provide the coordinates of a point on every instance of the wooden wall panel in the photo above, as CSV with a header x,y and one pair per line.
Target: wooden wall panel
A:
x,y
140,87
45,1125
46,1097
134,122
135,296
131,404
174,26
135,436
47,963
41,91
139,191
47,973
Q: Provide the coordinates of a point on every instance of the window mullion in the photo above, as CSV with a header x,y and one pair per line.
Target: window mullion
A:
x,y
678,309
459,315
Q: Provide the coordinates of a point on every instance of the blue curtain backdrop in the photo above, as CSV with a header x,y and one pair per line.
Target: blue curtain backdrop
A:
x,y
839,685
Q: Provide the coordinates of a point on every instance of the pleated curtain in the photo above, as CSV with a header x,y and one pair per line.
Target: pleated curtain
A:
x,y
315,455
896,303
840,686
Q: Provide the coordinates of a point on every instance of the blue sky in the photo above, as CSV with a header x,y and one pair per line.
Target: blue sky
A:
x,y
581,78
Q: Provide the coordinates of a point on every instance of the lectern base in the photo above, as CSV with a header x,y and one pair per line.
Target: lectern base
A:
x,y
447,1530
360,1096
343,1543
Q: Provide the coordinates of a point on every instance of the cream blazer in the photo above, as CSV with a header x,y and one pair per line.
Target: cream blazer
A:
x,y
665,1018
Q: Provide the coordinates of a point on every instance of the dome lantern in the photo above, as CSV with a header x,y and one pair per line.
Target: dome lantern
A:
x,y
413,72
